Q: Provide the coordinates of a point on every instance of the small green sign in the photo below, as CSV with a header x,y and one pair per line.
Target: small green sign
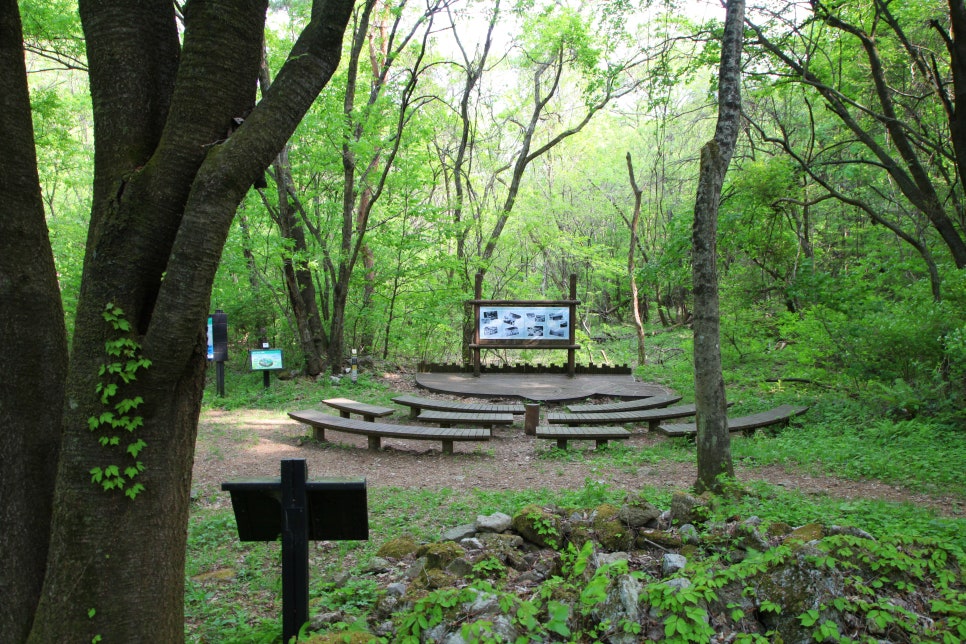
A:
x,y
266,359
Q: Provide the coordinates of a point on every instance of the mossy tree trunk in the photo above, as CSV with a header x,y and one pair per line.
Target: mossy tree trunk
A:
x,y
34,356
166,186
713,439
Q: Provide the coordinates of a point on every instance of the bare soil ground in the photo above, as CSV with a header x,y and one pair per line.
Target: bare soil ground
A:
x,y
246,444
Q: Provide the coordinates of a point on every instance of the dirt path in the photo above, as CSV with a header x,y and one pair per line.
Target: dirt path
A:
x,y
248,444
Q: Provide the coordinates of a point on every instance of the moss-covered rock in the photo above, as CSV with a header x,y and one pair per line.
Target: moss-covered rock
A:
x,y
612,534
647,539
538,525
579,535
431,580
638,512
440,555
345,637
686,508
797,586
806,533
398,548
778,529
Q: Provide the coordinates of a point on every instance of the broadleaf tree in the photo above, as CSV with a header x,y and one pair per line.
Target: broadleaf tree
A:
x,y
713,439
121,418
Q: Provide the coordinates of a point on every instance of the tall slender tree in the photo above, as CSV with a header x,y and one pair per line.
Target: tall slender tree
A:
x,y
713,440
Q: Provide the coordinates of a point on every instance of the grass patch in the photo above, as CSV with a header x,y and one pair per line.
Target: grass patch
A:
x,y
921,454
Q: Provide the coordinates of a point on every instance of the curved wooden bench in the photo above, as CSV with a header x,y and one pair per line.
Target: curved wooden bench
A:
x,y
650,402
450,418
321,421
368,412
777,416
417,404
653,417
599,434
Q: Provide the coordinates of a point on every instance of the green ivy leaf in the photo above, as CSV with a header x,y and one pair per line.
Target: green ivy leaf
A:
x,y
128,404
135,448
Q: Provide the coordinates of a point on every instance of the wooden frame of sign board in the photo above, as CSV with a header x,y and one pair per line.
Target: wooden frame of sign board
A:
x,y
524,324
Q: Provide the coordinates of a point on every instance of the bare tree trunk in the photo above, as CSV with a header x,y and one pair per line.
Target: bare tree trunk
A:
x,y
713,440
631,266
298,275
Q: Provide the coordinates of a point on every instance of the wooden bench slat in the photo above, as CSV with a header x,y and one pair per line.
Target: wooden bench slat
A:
x,y
375,431
347,406
468,418
617,417
599,434
649,402
417,403
777,416
652,417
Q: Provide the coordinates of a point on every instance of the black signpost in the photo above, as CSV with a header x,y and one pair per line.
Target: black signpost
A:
x,y
218,346
299,510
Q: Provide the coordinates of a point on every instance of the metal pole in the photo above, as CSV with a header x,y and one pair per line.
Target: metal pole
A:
x,y
295,548
220,378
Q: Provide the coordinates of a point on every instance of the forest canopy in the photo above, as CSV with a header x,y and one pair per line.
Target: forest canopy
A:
x,y
467,137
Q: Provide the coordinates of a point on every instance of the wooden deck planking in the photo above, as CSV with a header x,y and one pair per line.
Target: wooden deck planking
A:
x,y
538,387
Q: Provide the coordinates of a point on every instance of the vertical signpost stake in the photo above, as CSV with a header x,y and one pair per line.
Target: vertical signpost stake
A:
x,y
295,548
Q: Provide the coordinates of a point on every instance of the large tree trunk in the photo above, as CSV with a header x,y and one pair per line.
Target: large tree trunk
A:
x,y
298,274
166,187
299,281
713,440
34,356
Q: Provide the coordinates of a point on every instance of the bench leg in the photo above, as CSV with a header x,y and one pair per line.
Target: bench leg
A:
x,y
413,412
318,433
562,443
369,418
447,447
375,443
652,425
344,414
601,442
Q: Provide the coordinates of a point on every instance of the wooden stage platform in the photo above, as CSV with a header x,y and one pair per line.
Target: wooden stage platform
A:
x,y
538,387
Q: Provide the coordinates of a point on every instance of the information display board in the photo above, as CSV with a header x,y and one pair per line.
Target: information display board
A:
x,y
266,359
524,322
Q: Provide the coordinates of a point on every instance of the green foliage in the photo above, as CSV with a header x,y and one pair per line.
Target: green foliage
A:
x,y
489,568
126,362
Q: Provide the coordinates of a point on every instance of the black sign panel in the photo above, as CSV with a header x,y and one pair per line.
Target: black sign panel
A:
x,y
337,509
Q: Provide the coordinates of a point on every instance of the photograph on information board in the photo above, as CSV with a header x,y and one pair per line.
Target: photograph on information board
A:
x,y
524,322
